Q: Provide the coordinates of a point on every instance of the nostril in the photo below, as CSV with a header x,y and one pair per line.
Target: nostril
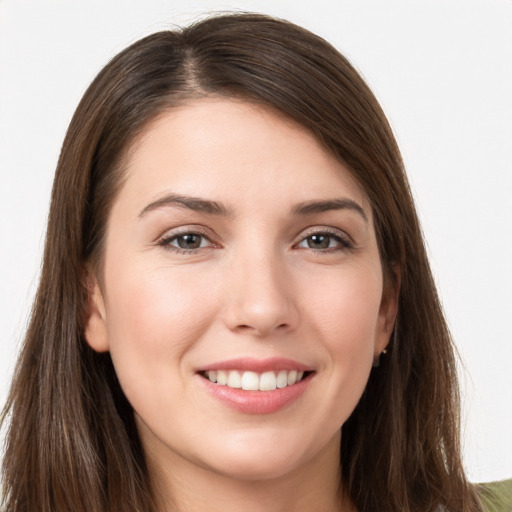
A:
x,y
260,329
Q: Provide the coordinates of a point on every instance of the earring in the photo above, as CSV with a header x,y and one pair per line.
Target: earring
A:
x,y
376,363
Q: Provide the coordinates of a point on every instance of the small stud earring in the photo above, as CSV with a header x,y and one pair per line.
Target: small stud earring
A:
x,y
376,362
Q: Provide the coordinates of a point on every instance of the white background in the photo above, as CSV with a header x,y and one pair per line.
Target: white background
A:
x,y
443,73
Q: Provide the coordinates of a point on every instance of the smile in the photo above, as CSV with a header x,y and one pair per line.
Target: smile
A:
x,y
253,386
253,381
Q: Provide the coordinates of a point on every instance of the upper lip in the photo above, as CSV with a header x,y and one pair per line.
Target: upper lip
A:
x,y
257,365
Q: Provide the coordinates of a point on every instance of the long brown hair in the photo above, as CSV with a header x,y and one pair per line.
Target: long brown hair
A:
x,y
72,444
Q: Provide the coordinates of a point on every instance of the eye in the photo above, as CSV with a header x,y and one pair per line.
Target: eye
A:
x,y
185,242
325,241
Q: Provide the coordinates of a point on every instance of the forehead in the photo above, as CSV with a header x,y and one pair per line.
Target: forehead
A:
x,y
236,151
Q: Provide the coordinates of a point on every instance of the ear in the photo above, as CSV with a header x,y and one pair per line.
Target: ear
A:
x,y
388,311
96,331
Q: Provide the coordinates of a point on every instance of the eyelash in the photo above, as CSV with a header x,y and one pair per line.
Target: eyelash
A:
x,y
167,240
344,243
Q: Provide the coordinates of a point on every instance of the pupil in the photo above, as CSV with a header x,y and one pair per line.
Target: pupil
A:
x,y
318,241
189,241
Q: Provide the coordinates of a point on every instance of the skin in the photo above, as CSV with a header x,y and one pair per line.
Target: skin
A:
x,y
253,288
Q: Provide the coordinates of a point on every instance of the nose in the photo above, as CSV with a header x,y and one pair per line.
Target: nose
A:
x,y
260,299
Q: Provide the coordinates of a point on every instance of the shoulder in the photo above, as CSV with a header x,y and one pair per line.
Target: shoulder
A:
x,y
496,496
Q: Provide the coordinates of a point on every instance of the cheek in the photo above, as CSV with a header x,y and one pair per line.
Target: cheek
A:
x,y
154,317
346,317
347,307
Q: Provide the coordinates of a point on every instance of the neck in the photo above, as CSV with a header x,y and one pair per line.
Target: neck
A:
x,y
180,485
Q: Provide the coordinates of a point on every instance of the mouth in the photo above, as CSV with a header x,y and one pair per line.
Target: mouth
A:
x,y
255,386
255,381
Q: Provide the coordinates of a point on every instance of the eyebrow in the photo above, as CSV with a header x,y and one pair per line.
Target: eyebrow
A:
x,y
192,203
215,208
312,207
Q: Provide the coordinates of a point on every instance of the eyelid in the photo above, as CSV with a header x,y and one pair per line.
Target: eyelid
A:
x,y
346,240
173,233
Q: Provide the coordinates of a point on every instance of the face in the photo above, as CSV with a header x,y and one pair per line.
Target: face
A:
x,y
241,294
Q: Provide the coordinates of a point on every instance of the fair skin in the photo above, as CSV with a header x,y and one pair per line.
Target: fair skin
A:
x,y
236,236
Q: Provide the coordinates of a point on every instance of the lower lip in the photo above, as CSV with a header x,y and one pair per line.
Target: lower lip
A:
x,y
257,402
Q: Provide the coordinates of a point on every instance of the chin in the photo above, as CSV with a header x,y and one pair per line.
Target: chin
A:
x,y
259,459
251,469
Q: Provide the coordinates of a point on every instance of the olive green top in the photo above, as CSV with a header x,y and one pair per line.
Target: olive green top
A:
x,y
497,496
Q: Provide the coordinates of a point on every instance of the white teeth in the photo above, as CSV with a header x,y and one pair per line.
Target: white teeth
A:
x,y
252,381
234,379
268,381
282,379
222,377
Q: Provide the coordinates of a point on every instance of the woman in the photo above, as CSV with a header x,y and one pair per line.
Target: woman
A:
x,y
235,309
